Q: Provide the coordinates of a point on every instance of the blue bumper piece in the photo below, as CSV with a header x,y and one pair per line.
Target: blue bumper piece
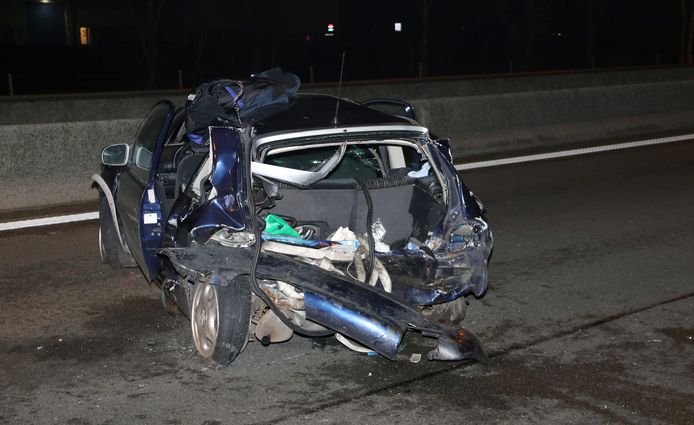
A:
x,y
368,315
382,336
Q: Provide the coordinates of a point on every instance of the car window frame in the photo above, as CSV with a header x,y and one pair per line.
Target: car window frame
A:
x,y
146,139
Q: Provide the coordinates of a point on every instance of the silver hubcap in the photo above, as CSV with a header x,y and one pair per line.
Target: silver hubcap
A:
x,y
205,318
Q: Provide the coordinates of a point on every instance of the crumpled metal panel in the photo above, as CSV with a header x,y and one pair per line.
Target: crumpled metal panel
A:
x,y
368,315
228,178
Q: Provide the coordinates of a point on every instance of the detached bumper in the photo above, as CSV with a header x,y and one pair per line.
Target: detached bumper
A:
x,y
370,316
375,318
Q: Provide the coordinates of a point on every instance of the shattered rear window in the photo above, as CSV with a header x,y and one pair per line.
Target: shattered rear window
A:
x,y
359,162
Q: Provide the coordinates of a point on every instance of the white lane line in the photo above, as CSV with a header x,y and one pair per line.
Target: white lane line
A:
x,y
572,152
46,221
23,224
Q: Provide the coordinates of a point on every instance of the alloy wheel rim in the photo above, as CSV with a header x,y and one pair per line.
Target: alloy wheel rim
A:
x,y
205,319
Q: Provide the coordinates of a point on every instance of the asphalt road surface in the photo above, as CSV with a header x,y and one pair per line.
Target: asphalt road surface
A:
x,y
589,319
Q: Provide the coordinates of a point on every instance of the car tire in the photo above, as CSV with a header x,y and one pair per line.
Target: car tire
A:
x,y
109,247
219,317
452,312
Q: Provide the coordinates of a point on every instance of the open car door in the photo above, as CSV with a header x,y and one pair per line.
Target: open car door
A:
x,y
138,199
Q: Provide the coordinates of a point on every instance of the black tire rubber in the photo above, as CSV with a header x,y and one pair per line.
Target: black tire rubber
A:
x,y
234,313
234,318
109,247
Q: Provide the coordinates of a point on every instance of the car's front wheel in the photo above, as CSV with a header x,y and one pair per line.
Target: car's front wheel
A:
x,y
109,247
219,317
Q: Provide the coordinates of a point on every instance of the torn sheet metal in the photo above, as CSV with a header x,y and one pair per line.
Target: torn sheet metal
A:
x,y
370,316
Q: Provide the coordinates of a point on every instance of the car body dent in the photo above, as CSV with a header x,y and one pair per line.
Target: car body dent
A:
x,y
458,273
366,314
227,208
353,131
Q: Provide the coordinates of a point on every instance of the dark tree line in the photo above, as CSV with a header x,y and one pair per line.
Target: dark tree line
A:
x,y
146,19
687,32
525,25
526,22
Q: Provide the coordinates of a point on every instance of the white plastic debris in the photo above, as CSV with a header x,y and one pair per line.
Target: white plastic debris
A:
x,y
331,253
347,239
423,172
352,345
415,358
343,233
379,232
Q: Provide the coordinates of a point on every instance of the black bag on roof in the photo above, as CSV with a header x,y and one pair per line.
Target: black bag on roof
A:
x,y
237,102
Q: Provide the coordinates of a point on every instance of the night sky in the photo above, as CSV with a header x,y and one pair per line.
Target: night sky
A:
x,y
142,44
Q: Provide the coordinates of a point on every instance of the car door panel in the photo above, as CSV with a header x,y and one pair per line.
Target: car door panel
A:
x,y
127,204
138,203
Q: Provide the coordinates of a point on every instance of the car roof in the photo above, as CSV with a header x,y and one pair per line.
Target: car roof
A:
x,y
317,111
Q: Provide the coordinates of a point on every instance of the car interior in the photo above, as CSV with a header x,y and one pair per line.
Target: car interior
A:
x,y
180,159
407,201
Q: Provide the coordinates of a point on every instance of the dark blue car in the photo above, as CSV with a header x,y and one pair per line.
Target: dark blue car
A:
x,y
306,221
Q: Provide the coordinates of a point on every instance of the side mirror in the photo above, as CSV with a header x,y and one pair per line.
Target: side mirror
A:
x,y
115,155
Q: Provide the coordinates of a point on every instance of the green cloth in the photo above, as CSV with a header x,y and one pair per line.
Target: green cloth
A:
x,y
275,225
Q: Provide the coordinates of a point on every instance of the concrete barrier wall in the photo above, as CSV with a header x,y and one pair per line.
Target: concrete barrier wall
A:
x,y
89,107
552,119
50,163
501,84
94,107
49,146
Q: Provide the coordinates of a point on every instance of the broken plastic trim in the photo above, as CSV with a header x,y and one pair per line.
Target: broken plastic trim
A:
x,y
299,178
472,233
233,238
370,316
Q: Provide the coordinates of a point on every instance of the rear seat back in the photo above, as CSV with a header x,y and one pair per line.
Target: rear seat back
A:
x,y
399,202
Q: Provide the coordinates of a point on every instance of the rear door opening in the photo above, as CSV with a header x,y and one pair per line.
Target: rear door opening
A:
x,y
406,195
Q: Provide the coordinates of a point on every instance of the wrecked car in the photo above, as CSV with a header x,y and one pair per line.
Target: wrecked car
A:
x,y
322,216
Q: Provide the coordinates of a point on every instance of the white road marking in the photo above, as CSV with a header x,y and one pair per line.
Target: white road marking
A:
x,y
47,221
572,152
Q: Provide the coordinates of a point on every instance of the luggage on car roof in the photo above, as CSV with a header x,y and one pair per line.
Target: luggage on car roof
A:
x,y
238,102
